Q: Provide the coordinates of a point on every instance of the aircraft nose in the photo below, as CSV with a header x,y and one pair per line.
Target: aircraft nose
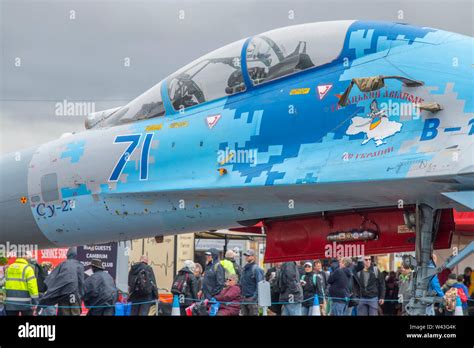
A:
x,y
17,223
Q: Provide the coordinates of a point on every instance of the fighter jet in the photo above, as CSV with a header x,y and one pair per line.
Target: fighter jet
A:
x,y
313,121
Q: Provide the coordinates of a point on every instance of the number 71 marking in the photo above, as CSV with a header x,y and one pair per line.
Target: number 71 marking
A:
x,y
134,140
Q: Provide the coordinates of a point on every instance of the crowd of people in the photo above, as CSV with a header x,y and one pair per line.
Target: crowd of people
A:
x,y
348,286
222,287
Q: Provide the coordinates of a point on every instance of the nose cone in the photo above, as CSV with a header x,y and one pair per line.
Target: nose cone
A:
x,y
17,223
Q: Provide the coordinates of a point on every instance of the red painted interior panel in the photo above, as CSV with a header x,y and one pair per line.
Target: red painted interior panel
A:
x,y
305,238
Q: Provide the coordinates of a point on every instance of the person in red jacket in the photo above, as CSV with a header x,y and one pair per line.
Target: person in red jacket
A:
x,y
230,293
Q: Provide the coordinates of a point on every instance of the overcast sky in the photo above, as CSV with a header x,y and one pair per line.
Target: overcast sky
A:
x,y
75,50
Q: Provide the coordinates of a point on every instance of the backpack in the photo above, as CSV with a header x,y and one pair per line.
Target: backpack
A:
x,y
143,284
180,284
450,299
462,295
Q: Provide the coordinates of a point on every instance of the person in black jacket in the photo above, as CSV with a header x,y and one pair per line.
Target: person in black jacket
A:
x,y
339,287
65,286
214,275
100,292
370,289
142,287
290,288
312,287
186,286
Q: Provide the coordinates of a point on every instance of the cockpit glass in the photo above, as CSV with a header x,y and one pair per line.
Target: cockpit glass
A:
x,y
145,106
215,75
286,51
269,56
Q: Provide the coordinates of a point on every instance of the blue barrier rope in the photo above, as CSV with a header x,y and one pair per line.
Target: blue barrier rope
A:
x,y
57,306
201,300
153,302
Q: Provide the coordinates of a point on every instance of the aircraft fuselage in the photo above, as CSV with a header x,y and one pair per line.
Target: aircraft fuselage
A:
x,y
279,148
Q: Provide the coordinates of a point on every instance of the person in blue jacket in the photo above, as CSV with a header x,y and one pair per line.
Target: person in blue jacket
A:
x,y
434,286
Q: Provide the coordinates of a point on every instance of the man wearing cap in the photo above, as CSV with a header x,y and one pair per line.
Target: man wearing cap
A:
x,y
100,291
214,275
251,275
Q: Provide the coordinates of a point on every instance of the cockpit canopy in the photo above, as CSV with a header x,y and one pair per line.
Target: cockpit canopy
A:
x,y
237,67
286,51
213,76
147,105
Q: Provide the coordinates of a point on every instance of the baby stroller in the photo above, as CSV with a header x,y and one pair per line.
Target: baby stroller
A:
x,y
203,308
